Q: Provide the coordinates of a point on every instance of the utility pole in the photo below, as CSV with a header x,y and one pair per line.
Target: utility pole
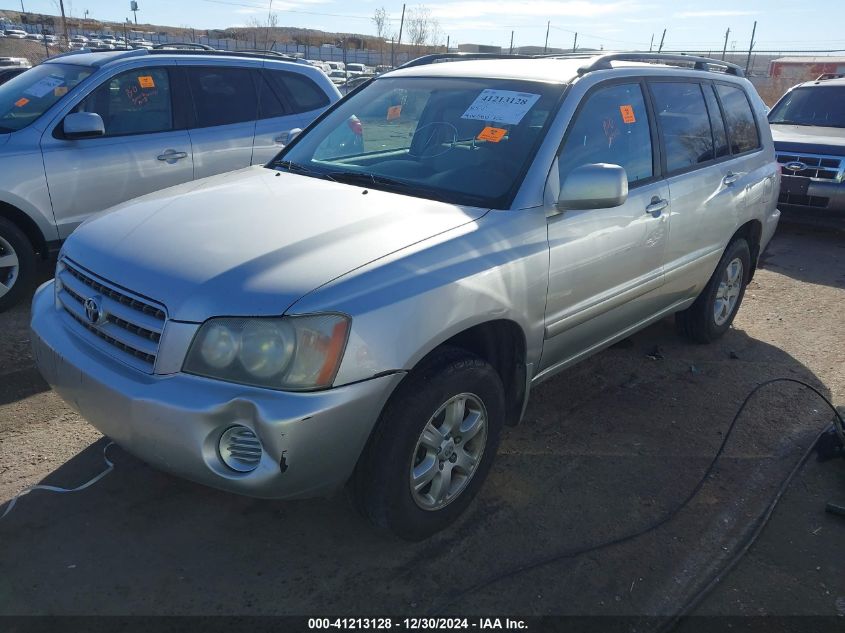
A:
x,y
725,49
662,38
511,50
401,24
64,21
22,8
448,39
750,47
651,46
575,42
546,45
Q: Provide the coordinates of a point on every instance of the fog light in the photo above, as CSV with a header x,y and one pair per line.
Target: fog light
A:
x,y
240,449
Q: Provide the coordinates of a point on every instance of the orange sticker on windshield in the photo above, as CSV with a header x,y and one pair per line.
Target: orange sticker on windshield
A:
x,y
21,102
60,91
627,114
394,112
145,81
492,134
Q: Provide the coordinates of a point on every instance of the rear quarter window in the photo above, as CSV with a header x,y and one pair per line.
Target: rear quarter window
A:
x,y
742,126
301,93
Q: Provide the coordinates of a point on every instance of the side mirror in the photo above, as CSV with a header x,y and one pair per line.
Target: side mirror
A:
x,y
83,125
294,133
596,186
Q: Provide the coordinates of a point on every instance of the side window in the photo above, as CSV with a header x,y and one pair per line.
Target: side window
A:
x,y
717,123
611,127
684,124
742,127
222,95
134,102
269,105
304,94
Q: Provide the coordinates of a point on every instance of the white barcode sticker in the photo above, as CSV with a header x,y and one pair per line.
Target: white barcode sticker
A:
x,y
43,87
500,106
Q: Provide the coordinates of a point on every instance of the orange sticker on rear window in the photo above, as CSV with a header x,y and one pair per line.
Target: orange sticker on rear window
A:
x,y
627,114
145,81
492,134
60,91
394,112
21,102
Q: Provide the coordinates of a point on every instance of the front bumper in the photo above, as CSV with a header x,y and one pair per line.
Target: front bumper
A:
x,y
311,441
821,196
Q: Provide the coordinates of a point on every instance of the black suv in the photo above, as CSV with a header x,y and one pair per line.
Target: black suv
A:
x,y
808,126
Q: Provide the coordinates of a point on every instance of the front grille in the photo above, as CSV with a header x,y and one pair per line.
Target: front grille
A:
x,y
798,200
825,168
128,326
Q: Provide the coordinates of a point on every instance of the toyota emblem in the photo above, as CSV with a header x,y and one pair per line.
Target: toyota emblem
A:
x,y
795,165
93,311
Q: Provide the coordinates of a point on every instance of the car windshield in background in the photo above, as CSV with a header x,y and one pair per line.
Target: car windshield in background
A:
x,y
460,140
29,95
820,105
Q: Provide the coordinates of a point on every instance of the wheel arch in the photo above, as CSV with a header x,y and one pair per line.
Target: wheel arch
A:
x,y
752,232
27,225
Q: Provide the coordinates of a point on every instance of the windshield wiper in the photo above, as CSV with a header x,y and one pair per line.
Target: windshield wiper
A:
x,y
291,166
366,178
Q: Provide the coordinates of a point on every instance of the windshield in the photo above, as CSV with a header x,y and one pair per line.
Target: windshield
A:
x,y
29,95
459,140
823,106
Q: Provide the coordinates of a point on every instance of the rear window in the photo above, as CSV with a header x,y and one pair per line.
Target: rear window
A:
x,y
302,94
742,127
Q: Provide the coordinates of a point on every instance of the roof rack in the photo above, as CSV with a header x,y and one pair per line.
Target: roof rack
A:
x,y
699,63
829,76
248,53
183,46
445,57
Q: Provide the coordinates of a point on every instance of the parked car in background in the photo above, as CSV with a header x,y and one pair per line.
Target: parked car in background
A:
x,y
336,65
84,131
8,72
353,83
35,37
357,69
17,34
377,314
338,77
808,126
21,62
78,39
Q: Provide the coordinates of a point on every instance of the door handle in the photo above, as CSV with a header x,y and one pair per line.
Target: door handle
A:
x,y
731,178
656,207
172,154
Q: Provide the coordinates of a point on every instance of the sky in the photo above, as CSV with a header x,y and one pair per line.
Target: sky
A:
x,y
611,24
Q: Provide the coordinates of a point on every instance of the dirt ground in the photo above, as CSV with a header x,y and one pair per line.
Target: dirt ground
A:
x,y
606,448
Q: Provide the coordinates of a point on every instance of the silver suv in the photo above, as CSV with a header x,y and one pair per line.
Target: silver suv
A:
x,y
376,314
85,131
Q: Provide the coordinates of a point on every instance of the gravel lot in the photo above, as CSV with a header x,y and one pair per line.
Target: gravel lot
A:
x,y
605,449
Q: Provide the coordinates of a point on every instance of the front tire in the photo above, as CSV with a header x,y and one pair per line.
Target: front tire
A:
x,y
17,264
715,308
432,447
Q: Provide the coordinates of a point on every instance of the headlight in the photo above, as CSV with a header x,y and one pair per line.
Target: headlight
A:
x,y
290,353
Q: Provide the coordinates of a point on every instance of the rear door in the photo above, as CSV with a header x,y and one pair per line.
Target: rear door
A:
x,y
287,100
145,148
225,108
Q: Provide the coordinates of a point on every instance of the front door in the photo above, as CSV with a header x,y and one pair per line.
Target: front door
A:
x,y
606,265
143,149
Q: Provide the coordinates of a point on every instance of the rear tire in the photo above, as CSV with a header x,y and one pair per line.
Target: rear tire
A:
x,y
17,264
432,447
715,308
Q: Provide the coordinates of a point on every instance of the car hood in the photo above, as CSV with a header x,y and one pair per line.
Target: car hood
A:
x,y
809,139
251,242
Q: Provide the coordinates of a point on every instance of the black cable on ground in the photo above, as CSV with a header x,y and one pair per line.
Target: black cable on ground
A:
x,y
671,514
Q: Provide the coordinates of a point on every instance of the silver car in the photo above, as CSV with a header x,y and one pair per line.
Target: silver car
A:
x,y
375,314
85,131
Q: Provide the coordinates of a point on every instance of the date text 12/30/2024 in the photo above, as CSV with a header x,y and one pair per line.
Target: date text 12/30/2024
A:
x,y
417,624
